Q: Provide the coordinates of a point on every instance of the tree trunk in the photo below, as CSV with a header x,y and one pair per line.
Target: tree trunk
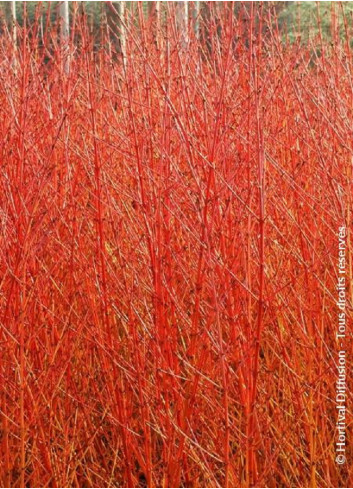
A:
x,y
196,13
64,16
183,21
122,10
65,33
154,13
14,26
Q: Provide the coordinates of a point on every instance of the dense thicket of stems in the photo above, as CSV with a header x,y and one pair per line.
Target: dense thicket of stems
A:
x,y
168,250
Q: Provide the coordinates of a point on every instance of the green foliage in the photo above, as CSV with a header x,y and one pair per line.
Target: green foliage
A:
x,y
295,18
92,9
306,18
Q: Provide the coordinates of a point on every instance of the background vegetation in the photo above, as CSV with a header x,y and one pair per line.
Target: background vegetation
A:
x,y
295,18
